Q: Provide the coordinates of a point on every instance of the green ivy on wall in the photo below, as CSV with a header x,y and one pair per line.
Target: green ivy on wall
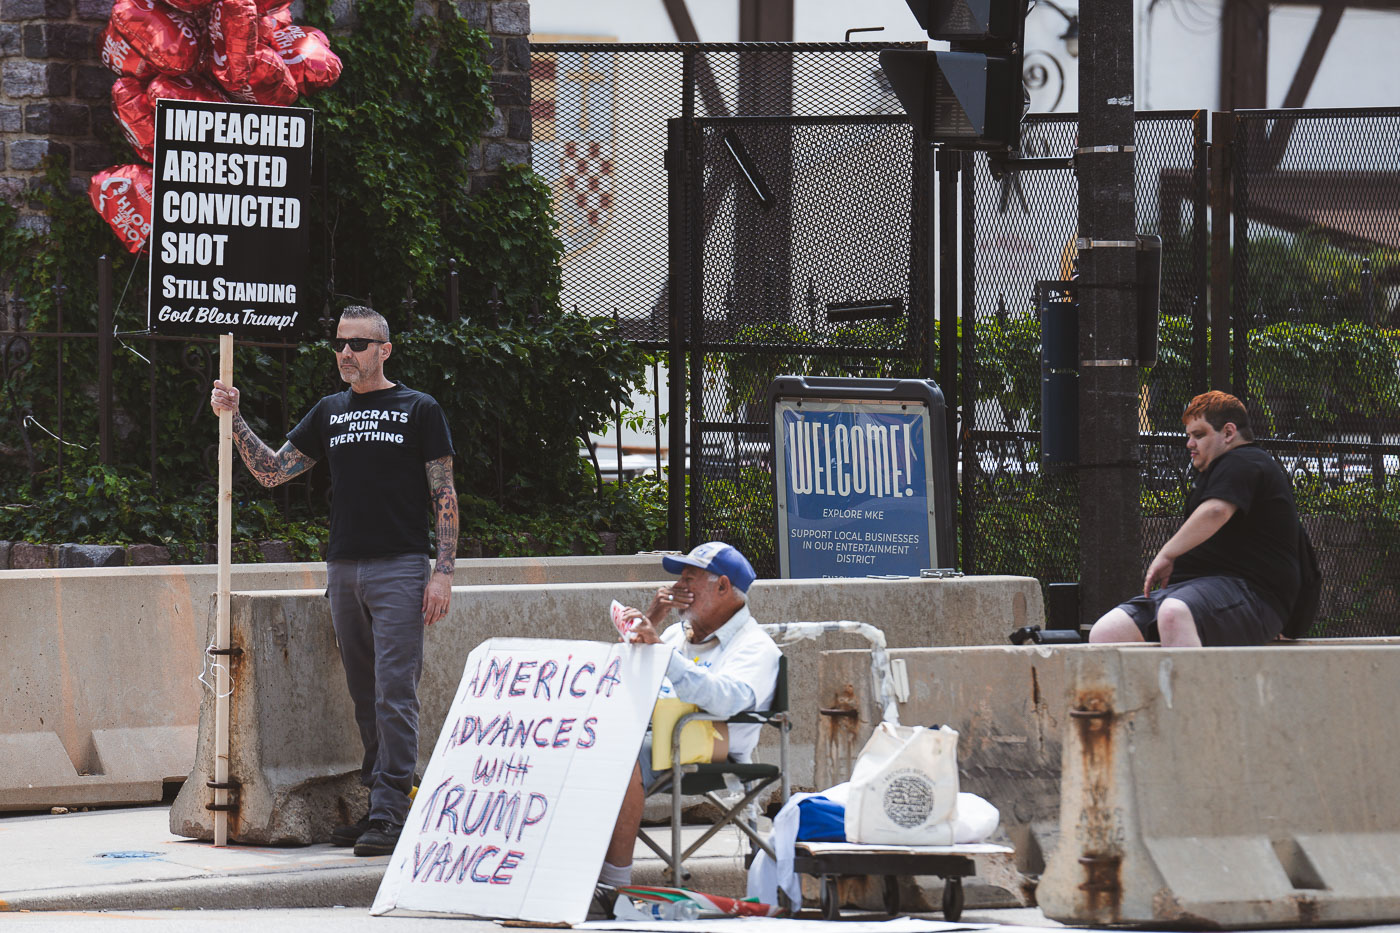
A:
x,y
520,380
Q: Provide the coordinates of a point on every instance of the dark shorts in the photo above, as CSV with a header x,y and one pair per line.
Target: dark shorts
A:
x,y
1225,609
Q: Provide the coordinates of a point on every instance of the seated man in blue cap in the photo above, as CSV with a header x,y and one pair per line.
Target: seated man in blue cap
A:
x,y
720,660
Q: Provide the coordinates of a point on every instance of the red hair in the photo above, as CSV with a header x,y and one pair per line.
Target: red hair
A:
x,y
1219,409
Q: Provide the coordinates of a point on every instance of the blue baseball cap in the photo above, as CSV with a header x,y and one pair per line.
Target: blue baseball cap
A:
x,y
718,558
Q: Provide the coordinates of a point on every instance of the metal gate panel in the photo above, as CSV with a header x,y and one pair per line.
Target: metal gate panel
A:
x,y
809,257
1019,228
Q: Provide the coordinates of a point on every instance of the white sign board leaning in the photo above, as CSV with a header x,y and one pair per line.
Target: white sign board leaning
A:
x,y
518,802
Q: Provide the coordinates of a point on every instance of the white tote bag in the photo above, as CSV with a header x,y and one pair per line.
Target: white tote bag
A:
x,y
904,787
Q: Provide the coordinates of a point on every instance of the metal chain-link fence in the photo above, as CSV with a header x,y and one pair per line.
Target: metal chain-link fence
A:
x,y
1316,303
809,221
1020,228
804,189
600,141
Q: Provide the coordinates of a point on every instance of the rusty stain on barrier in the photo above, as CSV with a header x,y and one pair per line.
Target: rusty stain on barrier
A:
x,y
1093,718
839,729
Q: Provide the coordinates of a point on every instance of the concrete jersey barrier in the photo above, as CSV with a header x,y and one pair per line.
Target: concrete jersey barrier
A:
x,y
99,665
1233,787
298,781
1229,787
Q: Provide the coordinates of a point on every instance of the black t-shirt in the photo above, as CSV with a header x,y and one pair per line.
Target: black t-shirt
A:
x,y
1260,541
377,444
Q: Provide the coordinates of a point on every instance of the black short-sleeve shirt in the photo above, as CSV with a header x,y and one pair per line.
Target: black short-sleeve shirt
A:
x,y
1260,541
376,444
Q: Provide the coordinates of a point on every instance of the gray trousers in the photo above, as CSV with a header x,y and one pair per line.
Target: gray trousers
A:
x,y
377,610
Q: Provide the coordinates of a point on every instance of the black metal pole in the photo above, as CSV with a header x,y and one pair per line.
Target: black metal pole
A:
x,y
104,358
1110,522
676,290
454,312
1221,197
58,322
967,387
947,165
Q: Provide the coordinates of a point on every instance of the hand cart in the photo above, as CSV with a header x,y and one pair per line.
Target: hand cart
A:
x,y
827,860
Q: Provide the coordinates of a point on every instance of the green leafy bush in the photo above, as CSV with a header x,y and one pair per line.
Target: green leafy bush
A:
x,y
394,197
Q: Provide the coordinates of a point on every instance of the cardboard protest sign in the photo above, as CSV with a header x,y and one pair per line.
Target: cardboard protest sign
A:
x,y
517,805
229,235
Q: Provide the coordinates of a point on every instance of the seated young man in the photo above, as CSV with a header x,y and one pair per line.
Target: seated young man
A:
x,y
720,660
1231,573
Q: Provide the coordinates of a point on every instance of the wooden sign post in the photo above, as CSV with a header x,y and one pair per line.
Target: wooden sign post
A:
x,y
222,686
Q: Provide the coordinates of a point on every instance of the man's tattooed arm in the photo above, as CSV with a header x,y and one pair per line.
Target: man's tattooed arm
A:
x,y
444,496
269,467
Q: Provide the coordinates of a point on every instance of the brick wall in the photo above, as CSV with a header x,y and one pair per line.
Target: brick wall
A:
x,y
55,93
508,137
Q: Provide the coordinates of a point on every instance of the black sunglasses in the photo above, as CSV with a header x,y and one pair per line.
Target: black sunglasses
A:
x,y
358,344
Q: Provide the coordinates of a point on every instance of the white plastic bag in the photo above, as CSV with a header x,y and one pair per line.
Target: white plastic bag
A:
x,y
904,787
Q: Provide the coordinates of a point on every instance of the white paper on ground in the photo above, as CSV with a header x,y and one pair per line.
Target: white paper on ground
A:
x,y
785,925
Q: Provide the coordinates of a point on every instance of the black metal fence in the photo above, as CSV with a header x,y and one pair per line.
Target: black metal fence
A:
x,y
1019,229
78,383
801,187
1315,305
600,140
784,186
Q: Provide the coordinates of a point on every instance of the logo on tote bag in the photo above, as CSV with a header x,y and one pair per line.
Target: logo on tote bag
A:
x,y
908,797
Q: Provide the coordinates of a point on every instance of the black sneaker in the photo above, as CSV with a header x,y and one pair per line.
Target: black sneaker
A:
x,y
347,834
604,899
379,839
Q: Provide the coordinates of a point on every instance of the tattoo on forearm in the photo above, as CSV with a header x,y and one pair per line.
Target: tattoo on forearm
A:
x,y
444,496
268,467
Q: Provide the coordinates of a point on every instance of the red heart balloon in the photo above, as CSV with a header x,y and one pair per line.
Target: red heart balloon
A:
x,y
135,114
166,38
122,195
308,55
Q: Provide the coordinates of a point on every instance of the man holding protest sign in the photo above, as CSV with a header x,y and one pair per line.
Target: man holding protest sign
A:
x,y
390,455
720,660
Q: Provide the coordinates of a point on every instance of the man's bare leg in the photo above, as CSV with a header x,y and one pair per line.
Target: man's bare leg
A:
x,y
629,822
1176,625
1115,627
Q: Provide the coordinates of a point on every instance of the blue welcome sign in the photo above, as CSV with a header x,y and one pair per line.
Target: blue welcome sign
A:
x,y
862,477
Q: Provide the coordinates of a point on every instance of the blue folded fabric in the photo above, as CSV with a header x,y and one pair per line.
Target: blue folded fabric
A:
x,y
821,820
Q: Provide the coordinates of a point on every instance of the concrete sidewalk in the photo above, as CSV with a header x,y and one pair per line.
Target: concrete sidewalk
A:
x,y
127,859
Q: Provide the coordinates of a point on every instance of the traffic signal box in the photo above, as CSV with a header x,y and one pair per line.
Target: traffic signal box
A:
x,y
970,97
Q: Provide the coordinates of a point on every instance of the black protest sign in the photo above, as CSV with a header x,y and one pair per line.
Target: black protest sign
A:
x,y
229,235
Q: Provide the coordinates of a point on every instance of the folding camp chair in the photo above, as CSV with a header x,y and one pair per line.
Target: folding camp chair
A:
x,y
707,779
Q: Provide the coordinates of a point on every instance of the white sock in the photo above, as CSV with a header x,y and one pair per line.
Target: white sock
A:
x,y
617,876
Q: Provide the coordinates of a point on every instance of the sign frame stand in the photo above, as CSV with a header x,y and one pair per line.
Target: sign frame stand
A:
x,y
222,687
865,396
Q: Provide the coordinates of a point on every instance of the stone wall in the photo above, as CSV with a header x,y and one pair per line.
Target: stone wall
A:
x,y
508,137
55,92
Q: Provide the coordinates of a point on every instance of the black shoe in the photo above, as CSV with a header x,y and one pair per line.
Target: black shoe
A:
x,y
347,834
379,839
604,899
